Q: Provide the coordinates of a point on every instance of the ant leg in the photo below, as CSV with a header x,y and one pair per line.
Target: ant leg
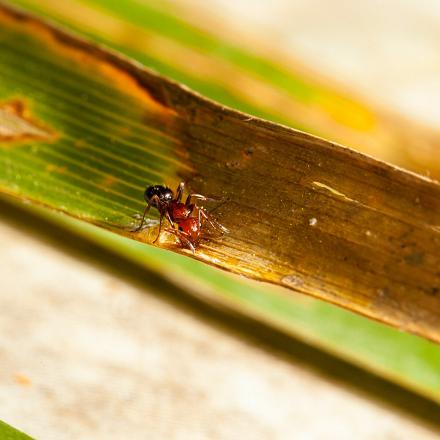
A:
x,y
163,214
214,223
147,209
179,191
183,238
194,196
170,221
160,227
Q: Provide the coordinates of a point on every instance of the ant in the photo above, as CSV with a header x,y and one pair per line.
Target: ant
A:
x,y
170,206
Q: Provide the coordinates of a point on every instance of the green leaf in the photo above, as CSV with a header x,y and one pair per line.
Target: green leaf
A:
x,y
302,212
9,433
262,84
105,129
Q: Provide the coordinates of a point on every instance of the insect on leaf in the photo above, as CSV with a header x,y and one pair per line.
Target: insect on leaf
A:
x,y
84,131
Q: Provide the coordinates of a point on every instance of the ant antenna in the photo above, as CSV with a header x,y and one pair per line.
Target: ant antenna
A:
x,y
147,208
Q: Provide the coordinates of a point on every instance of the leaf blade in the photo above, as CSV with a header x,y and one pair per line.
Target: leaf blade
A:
x,y
262,183
7,432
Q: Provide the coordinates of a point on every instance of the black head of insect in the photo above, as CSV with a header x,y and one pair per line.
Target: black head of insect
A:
x,y
158,195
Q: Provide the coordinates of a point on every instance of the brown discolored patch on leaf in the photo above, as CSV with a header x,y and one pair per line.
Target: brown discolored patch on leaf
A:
x,y
81,53
242,160
18,125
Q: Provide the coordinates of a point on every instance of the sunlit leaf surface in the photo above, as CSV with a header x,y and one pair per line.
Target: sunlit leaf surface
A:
x,y
262,84
85,132
301,211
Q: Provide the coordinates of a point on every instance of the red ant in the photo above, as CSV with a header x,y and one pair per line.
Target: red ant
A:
x,y
170,206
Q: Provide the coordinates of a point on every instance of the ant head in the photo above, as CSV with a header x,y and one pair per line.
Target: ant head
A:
x,y
163,193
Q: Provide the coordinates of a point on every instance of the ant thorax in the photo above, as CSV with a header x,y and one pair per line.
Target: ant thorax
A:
x,y
179,211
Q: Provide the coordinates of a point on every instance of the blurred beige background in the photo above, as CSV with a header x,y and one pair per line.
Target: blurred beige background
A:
x,y
388,51
85,354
